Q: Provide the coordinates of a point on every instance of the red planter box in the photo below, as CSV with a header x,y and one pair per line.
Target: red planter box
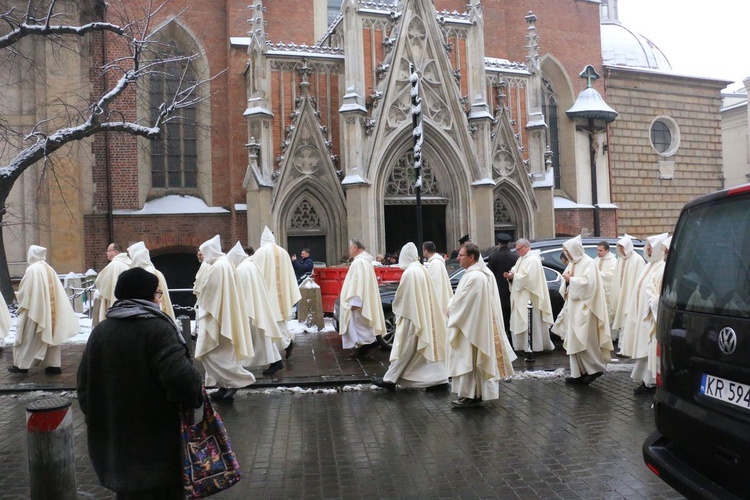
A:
x,y
330,280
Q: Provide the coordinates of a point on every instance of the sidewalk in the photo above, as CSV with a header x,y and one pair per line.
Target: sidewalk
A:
x,y
318,359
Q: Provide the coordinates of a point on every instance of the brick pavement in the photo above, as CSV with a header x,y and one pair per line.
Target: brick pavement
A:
x,y
542,439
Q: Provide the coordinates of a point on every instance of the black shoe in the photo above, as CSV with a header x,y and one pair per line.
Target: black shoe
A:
x,y
573,380
229,395
644,389
587,379
439,387
53,370
466,402
218,394
15,369
274,367
382,383
289,349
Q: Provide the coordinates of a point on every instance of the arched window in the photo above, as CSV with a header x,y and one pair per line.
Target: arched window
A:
x,y
550,111
174,156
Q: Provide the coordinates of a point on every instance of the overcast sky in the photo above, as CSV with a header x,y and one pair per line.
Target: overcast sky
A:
x,y
699,37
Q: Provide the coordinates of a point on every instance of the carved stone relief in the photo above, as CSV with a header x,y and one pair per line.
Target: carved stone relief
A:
x,y
503,163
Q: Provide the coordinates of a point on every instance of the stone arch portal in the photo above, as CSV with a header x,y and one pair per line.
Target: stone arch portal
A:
x,y
309,219
445,193
511,212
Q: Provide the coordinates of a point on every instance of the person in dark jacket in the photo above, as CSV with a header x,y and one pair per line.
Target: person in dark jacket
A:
x,y
500,261
303,265
135,373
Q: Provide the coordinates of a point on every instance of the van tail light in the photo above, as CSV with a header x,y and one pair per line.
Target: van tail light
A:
x,y
658,365
652,468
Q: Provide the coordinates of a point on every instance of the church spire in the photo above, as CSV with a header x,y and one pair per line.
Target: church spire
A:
x,y
257,23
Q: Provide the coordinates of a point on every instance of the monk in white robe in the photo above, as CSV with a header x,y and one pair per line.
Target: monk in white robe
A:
x,y
265,331
45,317
439,274
641,320
141,257
418,353
629,267
275,266
107,278
224,333
606,262
588,341
529,284
361,311
5,322
480,353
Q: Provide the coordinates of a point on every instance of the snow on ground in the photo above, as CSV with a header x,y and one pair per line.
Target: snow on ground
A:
x,y
85,322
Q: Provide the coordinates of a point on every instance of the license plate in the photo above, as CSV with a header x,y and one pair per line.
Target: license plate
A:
x,y
725,390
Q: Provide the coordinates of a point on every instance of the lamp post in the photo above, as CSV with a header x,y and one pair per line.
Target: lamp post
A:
x,y
590,106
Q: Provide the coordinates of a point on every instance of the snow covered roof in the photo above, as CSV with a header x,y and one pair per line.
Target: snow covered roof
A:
x,y
174,204
623,47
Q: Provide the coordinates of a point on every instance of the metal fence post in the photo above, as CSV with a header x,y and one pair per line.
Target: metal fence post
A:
x,y
49,425
184,322
530,332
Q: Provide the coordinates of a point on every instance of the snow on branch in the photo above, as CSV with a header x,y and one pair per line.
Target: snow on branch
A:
x,y
23,29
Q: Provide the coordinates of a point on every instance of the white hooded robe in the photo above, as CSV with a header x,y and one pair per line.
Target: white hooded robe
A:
x,y
141,257
588,341
418,352
265,331
224,332
629,266
479,354
530,284
107,280
45,317
276,268
361,311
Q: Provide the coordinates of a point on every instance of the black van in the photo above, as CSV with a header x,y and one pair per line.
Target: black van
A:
x,y
702,404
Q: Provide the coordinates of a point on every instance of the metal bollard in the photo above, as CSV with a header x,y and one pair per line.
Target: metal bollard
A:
x,y
49,424
530,332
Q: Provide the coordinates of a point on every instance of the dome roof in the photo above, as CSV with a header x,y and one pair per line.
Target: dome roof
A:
x,y
623,47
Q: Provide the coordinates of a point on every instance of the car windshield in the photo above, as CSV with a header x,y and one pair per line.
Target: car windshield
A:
x,y
709,269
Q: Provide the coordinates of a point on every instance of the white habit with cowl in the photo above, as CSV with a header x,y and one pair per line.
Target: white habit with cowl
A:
x,y
265,331
607,267
629,267
106,281
45,317
275,266
479,354
141,257
361,311
588,341
641,324
224,332
530,284
418,352
441,280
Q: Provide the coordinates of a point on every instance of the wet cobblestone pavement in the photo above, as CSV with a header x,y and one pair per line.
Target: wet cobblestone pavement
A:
x,y
541,439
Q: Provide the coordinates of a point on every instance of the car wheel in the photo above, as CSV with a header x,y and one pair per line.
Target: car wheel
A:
x,y
386,340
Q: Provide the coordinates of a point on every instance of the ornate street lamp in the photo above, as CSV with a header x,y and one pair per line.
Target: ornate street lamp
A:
x,y
590,106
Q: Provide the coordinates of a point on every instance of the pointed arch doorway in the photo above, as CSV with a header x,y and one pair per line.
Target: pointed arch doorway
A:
x,y
400,207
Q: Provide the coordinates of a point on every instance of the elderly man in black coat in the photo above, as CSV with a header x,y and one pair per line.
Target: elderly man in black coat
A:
x,y
500,261
134,375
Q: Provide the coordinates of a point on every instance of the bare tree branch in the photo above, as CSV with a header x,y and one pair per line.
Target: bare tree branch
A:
x,y
20,30
142,57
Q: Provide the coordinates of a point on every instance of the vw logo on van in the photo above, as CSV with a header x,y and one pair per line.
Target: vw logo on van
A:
x,y
727,341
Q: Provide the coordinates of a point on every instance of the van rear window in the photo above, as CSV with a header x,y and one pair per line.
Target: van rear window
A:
x,y
708,269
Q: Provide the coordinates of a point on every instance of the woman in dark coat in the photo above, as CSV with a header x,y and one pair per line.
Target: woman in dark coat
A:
x,y
134,374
